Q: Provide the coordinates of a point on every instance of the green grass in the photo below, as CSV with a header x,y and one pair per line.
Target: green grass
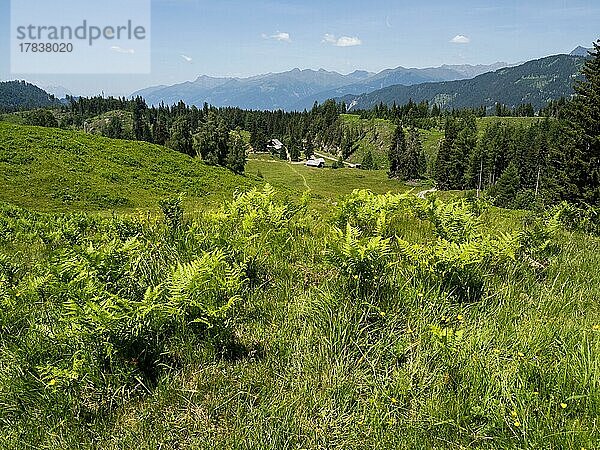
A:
x,y
326,185
109,337
56,170
431,142
317,357
377,138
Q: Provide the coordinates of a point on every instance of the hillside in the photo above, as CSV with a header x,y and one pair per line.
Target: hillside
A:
x,y
51,169
372,321
403,324
534,82
376,135
16,95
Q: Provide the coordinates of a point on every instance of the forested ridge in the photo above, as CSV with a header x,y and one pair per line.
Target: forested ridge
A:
x,y
20,95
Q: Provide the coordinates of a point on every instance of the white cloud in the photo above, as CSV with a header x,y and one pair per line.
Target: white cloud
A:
x,y
187,58
460,39
117,49
346,41
279,36
342,41
329,38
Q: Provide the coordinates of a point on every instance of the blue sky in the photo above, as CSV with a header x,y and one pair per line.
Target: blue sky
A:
x,y
248,37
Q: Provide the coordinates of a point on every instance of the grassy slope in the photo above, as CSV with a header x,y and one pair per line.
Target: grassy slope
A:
x,y
485,121
15,118
377,138
321,366
379,134
317,367
56,170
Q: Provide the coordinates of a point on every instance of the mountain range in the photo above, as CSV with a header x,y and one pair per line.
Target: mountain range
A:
x,y
299,89
449,86
534,82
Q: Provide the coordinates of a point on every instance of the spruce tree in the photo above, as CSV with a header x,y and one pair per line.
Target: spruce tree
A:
x,y
463,146
210,143
236,153
180,136
443,163
396,151
507,187
367,162
114,128
258,140
159,133
585,117
411,160
307,146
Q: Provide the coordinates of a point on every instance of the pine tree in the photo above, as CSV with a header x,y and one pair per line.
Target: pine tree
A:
x,y
210,143
505,190
114,128
236,154
410,164
463,146
307,146
585,117
443,163
159,133
396,151
141,130
180,136
367,162
258,140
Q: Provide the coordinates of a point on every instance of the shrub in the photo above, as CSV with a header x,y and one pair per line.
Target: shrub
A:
x,y
582,218
373,213
173,211
362,261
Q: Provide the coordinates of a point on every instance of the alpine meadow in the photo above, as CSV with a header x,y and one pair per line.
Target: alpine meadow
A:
x,y
404,258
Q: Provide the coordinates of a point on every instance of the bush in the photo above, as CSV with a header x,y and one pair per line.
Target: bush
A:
x,y
582,218
173,211
363,262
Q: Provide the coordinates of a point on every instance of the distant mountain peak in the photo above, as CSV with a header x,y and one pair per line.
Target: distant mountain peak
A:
x,y
360,73
57,91
580,51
